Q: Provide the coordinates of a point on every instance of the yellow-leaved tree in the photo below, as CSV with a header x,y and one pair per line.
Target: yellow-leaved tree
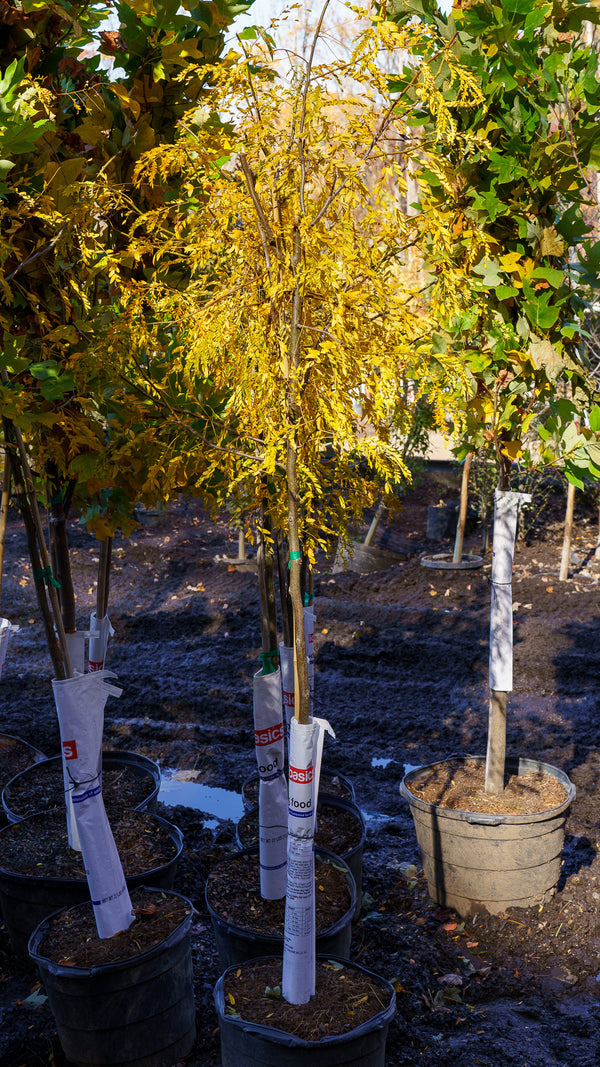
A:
x,y
268,313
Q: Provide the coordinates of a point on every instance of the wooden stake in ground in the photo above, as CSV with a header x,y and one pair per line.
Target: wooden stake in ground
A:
x,y
462,513
568,534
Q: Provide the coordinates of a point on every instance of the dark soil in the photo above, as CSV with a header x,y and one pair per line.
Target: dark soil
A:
x,y
71,938
338,829
233,891
401,674
346,996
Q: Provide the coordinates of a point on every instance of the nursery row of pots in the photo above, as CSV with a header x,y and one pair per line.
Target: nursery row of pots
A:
x,y
473,860
50,921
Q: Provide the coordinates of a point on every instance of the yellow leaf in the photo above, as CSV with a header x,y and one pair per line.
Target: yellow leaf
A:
x,y
127,100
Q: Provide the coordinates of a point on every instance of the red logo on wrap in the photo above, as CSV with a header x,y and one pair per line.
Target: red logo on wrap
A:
x,y
288,699
268,736
69,749
95,665
302,774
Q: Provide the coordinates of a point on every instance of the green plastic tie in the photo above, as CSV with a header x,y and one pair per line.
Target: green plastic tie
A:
x,y
45,575
268,667
293,556
307,600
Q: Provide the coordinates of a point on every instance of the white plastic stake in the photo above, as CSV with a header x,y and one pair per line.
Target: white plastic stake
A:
x,y
506,512
5,633
286,661
80,704
100,631
272,790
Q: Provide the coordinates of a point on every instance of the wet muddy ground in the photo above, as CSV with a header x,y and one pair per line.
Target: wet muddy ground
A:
x,y
401,675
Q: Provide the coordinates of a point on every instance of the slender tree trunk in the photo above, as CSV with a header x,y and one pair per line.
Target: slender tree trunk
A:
x,y
295,563
103,577
462,514
62,562
568,534
6,475
284,594
496,745
374,524
45,591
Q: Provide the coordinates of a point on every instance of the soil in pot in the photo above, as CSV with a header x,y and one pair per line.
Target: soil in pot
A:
x,y
338,829
71,937
15,756
460,784
40,873
124,1001
233,891
346,998
126,784
330,783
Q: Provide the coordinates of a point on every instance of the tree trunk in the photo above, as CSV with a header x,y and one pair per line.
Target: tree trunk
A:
x,y
302,710
462,514
103,577
374,524
496,746
51,616
60,542
4,510
566,547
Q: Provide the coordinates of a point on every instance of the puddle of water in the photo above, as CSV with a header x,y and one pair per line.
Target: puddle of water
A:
x,y
379,761
181,787
408,767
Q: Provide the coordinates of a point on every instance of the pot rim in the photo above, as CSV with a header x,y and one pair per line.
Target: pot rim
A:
x,y
283,1037
116,965
515,764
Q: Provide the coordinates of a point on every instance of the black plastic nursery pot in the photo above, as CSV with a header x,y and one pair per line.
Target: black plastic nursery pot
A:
x,y
236,943
17,797
246,1044
247,835
477,862
137,1012
15,756
332,784
27,899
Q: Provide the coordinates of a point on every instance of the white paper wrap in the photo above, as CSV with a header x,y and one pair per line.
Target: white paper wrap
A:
x,y
272,790
286,661
506,513
5,633
299,952
80,704
76,645
309,638
100,631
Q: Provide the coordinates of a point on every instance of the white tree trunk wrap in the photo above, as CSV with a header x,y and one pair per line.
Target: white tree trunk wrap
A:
x,y
5,633
76,646
309,638
299,953
100,631
272,790
286,660
506,512
80,704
